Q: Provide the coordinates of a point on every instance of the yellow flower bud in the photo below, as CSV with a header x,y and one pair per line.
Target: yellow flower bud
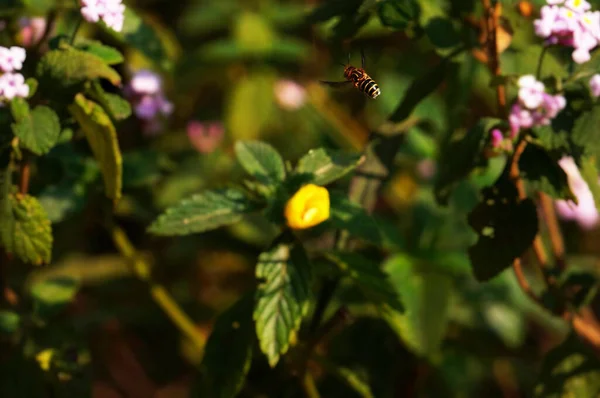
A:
x,y
44,358
308,207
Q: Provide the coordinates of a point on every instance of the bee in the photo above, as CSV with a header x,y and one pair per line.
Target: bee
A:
x,y
359,78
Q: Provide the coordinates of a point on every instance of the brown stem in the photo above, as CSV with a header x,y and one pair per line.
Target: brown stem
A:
x,y
25,175
556,239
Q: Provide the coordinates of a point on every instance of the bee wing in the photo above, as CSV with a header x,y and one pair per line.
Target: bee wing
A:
x,y
335,84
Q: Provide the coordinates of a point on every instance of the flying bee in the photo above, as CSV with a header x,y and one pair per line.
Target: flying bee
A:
x,y
359,78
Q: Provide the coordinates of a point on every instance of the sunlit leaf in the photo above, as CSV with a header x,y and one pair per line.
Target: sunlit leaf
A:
x,y
261,161
108,54
51,295
38,129
326,166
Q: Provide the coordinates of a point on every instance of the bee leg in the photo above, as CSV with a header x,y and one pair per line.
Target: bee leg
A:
x,y
362,57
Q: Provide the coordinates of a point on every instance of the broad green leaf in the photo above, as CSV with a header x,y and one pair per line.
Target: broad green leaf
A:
x,y
116,106
9,322
589,173
569,370
506,227
228,351
460,156
203,212
425,296
37,130
544,173
351,217
261,161
28,233
284,275
68,68
52,294
326,167
108,54
373,282
102,138
398,14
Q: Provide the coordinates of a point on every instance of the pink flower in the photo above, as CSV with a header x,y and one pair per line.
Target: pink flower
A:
x,y
32,30
13,85
145,82
110,11
205,137
144,91
289,94
11,59
585,212
497,138
530,91
595,85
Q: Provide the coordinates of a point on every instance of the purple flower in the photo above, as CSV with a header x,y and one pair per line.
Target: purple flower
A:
x,y
145,82
13,85
595,85
585,212
205,137
110,11
144,91
11,59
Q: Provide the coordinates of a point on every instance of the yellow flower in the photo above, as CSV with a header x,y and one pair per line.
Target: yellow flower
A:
x,y
308,207
44,358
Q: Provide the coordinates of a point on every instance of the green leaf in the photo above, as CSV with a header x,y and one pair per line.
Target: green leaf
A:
x,y
9,322
442,33
569,370
228,351
544,173
506,227
68,68
460,156
351,217
373,282
138,34
425,295
348,376
38,130
141,167
589,173
284,275
27,233
203,212
261,161
52,294
585,133
398,14
102,138
108,54
325,166
116,106
33,86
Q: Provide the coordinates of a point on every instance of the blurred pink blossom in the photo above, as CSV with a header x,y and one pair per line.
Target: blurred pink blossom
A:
x,y
110,11
144,91
585,212
32,30
289,94
595,85
205,137
426,168
13,85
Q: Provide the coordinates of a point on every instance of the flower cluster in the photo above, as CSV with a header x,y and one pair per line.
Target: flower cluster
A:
x,y
534,106
585,212
570,23
145,92
12,84
110,11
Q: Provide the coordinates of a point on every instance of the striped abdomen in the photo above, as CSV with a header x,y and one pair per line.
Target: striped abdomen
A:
x,y
362,81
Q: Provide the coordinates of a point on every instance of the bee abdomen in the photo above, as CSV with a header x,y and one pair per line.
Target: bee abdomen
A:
x,y
369,87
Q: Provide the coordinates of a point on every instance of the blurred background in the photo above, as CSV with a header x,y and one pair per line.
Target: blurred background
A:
x,y
210,72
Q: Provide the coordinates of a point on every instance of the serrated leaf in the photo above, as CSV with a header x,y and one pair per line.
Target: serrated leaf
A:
x,y
425,295
326,167
228,351
506,227
261,161
102,138
374,282
50,295
68,68
116,106
37,130
282,297
108,54
351,217
544,173
589,173
203,212
569,370
28,233
460,156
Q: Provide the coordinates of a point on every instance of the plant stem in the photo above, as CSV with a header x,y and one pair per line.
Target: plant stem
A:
x,y
158,292
310,388
78,25
25,175
538,71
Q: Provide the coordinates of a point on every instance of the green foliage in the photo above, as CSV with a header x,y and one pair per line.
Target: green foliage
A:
x,y
261,161
38,129
372,281
203,212
26,231
348,377
108,54
284,275
228,351
351,217
116,106
543,173
52,295
102,138
589,173
9,322
324,167
398,14
506,227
